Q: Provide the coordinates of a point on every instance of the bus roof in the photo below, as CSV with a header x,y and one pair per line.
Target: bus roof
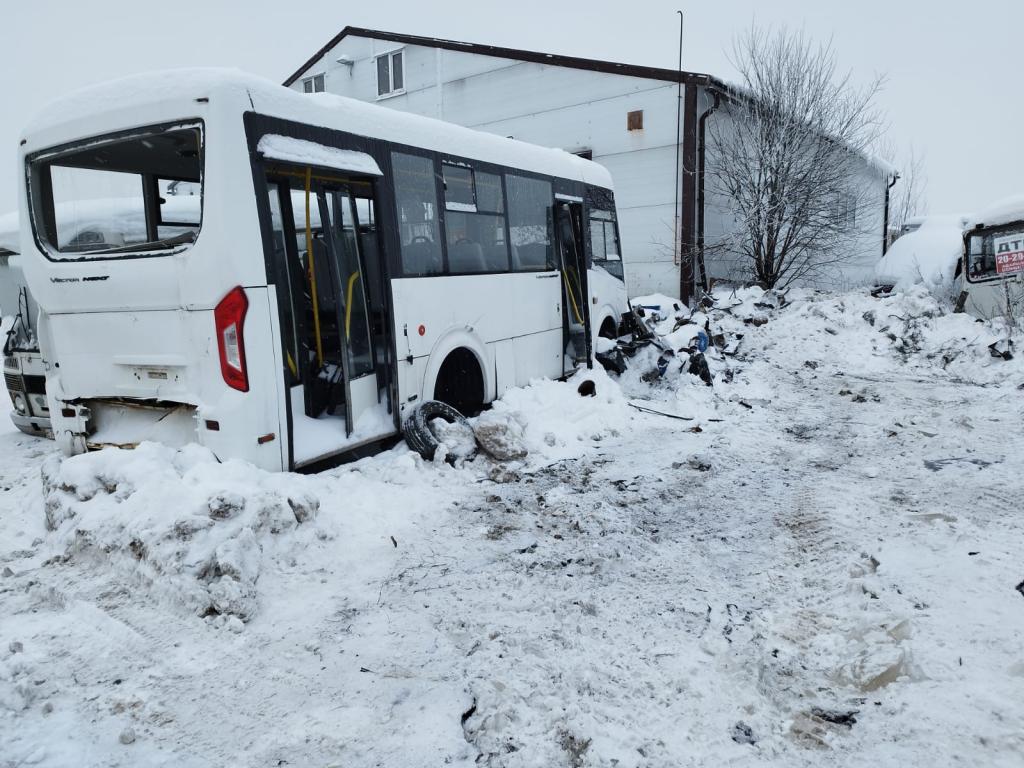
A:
x,y
64,116
1009,210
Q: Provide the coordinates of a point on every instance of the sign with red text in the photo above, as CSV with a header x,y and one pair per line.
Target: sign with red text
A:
x,y
1009,254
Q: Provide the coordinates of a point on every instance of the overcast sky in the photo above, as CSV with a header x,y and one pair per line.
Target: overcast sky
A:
x,y
953,69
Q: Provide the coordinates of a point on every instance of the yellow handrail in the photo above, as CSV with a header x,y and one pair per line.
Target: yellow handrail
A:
x,y
348,304
572,297
312,275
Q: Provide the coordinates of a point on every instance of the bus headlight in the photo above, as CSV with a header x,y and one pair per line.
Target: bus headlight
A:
x,y
19,403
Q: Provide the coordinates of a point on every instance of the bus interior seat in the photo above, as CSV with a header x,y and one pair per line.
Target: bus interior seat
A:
x,y
421,257
466,256
371,262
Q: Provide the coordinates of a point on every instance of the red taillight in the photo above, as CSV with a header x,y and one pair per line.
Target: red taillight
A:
x,y
229,317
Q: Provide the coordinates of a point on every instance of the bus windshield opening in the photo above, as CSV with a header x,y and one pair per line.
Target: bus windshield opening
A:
x,y
995,254
139,193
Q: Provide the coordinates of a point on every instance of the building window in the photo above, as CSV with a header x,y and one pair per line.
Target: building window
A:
x,y
635,120
845,211
314,84
390,73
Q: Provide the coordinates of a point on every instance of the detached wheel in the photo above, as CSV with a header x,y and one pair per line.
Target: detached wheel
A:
x,y
434,422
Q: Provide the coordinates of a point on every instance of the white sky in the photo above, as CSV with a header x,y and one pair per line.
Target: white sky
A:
x,y
953,73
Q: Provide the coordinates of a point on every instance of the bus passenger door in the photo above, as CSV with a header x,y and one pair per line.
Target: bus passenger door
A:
x,y
362,394
572,265
326,312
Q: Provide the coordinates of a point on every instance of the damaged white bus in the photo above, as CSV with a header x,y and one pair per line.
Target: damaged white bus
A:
x,y
345,263
991,273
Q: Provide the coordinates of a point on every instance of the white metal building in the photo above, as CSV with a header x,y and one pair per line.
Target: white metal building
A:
x,y
622,116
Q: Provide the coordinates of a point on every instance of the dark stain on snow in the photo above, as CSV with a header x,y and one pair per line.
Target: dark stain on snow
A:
x,y
936,464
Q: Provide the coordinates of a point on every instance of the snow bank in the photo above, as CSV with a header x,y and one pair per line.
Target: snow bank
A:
x,y
861,335
927,255
553,421
180,524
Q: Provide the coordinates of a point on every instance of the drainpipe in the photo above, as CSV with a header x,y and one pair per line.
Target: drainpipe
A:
x,y
885,224
701,128
677,246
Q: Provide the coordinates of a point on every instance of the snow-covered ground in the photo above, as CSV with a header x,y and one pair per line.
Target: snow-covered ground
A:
x,y
815,565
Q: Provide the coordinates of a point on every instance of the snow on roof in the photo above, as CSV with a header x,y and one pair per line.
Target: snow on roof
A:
x,y
926,255
311,153
127,94
881,165
1005,211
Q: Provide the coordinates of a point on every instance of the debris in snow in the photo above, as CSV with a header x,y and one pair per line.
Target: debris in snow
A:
x,y
836,717
743,733
500,436
16,646
808,730
127,736
587,388
575,748
456,438
1002,349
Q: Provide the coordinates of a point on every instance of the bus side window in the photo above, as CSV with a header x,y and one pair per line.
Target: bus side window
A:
x,y
604,242
416,201
474,224
529,220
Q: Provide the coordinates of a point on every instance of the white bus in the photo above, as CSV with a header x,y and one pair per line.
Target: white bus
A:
x,y
991,274
345,263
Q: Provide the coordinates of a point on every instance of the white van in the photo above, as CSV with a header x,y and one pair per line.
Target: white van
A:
x,y
344,264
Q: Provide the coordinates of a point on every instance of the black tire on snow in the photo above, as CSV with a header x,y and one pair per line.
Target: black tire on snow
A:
x,y
417,432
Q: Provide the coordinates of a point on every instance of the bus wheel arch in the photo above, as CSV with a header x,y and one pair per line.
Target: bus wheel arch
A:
x,y
458,374
608,328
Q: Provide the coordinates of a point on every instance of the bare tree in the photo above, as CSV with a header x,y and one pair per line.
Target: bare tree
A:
x,y
908,199
790,159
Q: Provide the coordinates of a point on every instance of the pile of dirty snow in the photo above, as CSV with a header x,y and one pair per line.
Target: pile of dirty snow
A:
x,y
178,524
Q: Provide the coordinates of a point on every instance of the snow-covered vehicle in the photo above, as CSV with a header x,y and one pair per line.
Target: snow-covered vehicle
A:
x,y
24,376
927,253
991,280
340,264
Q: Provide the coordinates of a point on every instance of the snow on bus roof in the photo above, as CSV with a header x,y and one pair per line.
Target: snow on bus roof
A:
x,y
320,109
310,153
1005,211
